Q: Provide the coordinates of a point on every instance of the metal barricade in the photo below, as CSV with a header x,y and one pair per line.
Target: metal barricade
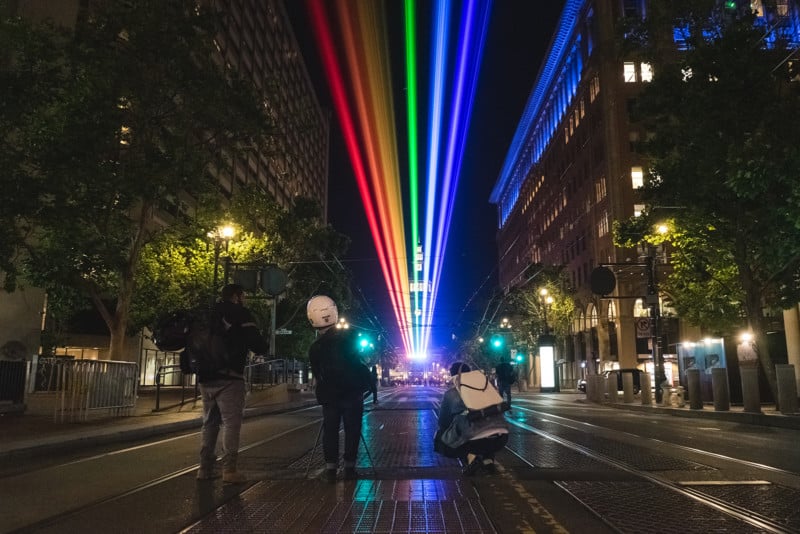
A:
x,y
91,386
170,375
260,374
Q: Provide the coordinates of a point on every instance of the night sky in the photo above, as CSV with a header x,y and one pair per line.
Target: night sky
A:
x,y
519,33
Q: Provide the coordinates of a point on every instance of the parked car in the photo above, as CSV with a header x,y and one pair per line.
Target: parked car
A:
x,y
637,378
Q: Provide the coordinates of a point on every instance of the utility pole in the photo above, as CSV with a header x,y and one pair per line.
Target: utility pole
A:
x,y
655,319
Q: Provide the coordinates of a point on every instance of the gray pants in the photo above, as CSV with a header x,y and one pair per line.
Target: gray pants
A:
x,y
223,405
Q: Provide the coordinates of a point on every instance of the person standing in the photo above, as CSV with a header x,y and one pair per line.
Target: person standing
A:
x,y
506,376
341,380
374,384
223,390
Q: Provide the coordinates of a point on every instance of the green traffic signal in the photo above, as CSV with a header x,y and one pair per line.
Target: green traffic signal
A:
x,y
497,342
730,4
520,357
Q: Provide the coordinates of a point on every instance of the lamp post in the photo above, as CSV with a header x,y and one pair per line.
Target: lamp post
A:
x,y
547,300
221,234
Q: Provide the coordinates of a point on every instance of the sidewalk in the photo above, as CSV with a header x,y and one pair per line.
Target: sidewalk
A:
x,y
36,432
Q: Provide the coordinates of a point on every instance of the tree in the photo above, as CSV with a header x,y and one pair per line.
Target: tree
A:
x,y
115,140
721,123
177,270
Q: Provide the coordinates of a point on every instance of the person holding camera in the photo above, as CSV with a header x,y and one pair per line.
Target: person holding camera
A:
x,y
341,380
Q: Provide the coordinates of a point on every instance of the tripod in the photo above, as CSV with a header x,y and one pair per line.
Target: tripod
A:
x,y
316,442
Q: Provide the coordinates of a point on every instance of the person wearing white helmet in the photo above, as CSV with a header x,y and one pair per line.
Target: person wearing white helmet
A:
x,y
341,380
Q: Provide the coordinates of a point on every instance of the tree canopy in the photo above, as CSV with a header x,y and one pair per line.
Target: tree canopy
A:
x,y
720,122
113,132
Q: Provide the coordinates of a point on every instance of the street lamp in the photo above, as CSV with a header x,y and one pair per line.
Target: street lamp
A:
x,y
342,324
221,234
547,300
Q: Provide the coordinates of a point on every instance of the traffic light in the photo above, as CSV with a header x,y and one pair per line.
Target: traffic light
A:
x,y
731,5
364,343
497,342
519,357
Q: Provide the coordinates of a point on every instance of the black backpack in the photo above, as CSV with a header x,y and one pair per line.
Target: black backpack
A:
x,y
200,334
206,349
169,333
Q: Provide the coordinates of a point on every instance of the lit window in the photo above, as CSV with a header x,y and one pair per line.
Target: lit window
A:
x,y
647,72
637,177
638,209
629,72
602,225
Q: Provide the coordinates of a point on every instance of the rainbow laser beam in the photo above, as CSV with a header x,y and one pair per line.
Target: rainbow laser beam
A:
x,y
361,86
472,37
413,156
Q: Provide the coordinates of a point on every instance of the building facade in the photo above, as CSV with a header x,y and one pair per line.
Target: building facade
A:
x,y
571,172
258,40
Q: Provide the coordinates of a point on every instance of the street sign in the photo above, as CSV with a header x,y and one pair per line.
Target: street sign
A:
x,y
282,332
643,327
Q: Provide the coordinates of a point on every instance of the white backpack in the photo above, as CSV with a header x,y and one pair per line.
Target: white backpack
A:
x,y
479,395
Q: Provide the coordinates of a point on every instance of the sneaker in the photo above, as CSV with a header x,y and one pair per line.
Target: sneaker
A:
x,y
233,477
207,474
350,473
329,475
471,468
491,468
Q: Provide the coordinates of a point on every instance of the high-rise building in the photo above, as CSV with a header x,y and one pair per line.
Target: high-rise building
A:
x,y
572,171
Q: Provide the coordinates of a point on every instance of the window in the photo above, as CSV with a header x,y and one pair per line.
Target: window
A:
x,y
632,8
629,72
639,309
602,225
594,88
633,137
600,189
637,177
638,209
647,72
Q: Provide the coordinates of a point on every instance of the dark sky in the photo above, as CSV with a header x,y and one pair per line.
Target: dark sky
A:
x,y
519,33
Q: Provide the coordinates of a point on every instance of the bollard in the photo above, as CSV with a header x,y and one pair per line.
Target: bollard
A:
x,y
627,388
750,394
647,394
598,388
693,381
611,386
719,385
787,388
666,388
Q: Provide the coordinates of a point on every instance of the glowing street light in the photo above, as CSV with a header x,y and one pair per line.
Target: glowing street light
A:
x,y
222,234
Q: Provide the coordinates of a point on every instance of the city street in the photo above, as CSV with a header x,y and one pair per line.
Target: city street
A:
x,y
569,466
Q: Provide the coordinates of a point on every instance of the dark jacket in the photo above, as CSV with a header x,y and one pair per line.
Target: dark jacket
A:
x,y
241,337
505,373
337,366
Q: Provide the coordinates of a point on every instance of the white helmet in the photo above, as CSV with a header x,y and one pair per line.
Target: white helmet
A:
x,y
322,311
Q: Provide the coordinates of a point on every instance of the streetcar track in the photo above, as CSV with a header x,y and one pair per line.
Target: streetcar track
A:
x,y
742,514
155,481
575,426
